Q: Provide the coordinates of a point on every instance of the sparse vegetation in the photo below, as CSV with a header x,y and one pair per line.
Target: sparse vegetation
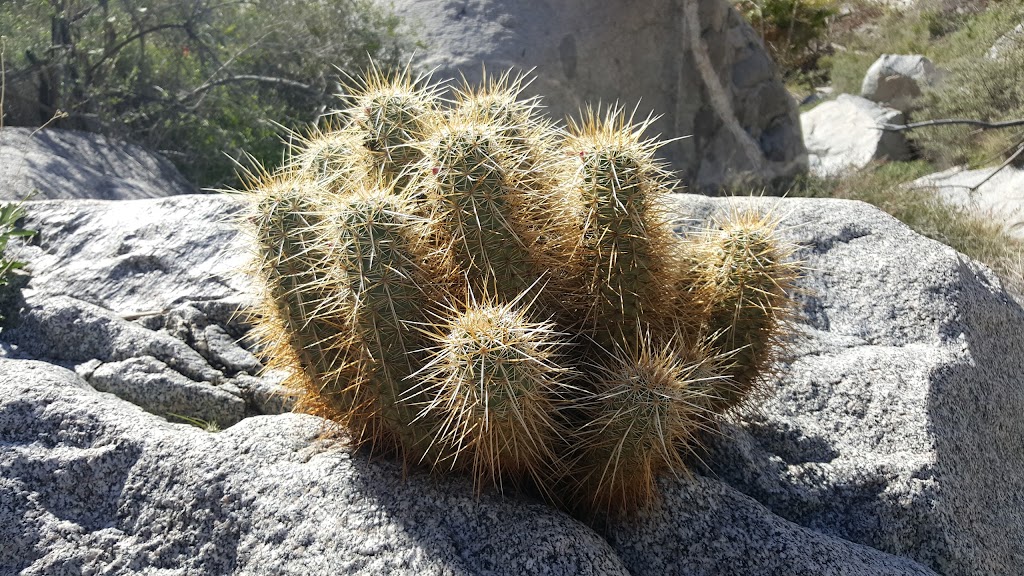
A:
x,y
982,89
12,279
956,36
198,81
210,426
974,86
794,32
885,186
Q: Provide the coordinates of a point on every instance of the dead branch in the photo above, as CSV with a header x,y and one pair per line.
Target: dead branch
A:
x,y
952,121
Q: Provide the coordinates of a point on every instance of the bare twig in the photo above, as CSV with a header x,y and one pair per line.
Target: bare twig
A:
x,y
951,121
226,64
58,115
120,45
3,77
1020,149
250,78
136,315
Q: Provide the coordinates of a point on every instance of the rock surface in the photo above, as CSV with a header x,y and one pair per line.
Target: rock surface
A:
x,y
893,443
92,485
55,164
136,257
143,298
895,80
1001,196
845,134
606,52
1011,40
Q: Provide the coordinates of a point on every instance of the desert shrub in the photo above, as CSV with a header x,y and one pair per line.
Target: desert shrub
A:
x,y
977,88
794,32
199,81
934,28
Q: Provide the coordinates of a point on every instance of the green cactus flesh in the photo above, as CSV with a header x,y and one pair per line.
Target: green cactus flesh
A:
x,y
624,237
391,115
302,300
478,208
329,158
379,245
647,404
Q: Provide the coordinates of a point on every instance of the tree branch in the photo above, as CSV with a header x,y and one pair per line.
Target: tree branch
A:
x,y
952,121
1020,149
120,45
250,78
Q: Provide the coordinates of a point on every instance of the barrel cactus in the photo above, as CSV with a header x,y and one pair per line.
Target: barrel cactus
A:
x,y
463,284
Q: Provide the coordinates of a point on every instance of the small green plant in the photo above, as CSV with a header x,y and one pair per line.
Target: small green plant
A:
x,y
206,426
465,285
12,277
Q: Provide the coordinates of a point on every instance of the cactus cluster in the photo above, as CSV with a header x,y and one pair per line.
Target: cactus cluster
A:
x,y
467,286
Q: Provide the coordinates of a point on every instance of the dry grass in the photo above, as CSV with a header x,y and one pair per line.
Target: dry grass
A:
x,y
982,239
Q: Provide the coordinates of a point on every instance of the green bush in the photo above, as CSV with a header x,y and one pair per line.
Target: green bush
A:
x,y
981,89
794,31
928,27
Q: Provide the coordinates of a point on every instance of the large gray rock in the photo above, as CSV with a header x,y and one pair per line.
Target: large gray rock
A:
x,y
605,52
92,485
54,164
136,257
892,445
998,196
845,134
896,80
143,299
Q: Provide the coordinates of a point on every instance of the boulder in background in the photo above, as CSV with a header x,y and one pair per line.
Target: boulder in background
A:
x,y
53,164
586,52
845,134
896,80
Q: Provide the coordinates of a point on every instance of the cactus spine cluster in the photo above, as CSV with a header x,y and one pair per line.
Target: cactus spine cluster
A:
x,y
465,285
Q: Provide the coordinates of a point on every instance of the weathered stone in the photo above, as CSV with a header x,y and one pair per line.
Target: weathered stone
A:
x,y
191,325
64,329
591,52
896,80
151,385
998,196
139,256
704,527
265,393
52,164
94,485
845,134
